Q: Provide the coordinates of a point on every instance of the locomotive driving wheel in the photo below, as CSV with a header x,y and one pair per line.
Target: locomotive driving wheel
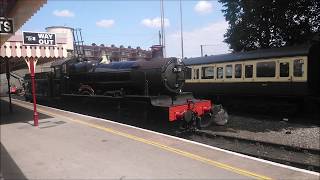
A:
x,y
206,120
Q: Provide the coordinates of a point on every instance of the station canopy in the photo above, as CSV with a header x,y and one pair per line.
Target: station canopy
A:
x,y
12,50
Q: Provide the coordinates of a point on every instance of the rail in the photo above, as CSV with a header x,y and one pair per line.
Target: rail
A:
x,y
305,158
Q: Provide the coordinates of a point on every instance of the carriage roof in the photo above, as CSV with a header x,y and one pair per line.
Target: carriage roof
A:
x,y
250,55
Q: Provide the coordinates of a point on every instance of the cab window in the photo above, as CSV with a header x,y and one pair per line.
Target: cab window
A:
x,y
57,72
207,72
220,72
298,68
228,71
248,71
238,71
64,68
188,73
284,69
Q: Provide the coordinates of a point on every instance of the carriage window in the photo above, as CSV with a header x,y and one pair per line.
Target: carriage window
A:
x,y
298,68
266,69
196,74
248,71
207,73
237,71
188,73
220,72
228,71
284,69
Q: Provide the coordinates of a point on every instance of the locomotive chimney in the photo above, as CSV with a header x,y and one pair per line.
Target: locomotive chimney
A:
x,y
157,51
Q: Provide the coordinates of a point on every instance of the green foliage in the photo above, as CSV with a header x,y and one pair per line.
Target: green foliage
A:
x,y
255,24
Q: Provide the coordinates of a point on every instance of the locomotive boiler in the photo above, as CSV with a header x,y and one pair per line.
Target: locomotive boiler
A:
x,y
142,77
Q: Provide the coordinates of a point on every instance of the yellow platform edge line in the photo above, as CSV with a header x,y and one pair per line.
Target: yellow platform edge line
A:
x,y
161,146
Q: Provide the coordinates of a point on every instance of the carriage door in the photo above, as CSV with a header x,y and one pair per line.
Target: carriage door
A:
x,y
299,74
285,75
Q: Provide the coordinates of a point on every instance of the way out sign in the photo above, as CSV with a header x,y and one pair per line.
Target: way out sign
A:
x,y
38,38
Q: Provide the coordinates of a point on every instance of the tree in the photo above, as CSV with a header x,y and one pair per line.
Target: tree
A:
x,y
255,24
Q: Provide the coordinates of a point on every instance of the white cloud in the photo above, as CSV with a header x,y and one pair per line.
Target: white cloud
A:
x,y
63,13
203,7
209,35
155,22
105,23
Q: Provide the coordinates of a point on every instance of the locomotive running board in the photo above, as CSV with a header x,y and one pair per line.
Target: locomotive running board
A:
x,y
159,101
127,98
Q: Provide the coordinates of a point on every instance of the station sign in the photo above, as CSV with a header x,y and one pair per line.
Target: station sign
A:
x,y
6,25
39,38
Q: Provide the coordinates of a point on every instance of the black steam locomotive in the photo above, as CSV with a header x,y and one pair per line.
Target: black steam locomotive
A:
x,y
156,81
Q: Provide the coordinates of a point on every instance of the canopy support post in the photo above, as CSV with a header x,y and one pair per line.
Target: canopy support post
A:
x,y
9,86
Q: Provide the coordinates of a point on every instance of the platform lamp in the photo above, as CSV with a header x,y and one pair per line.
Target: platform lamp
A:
x,y
31,61
181,30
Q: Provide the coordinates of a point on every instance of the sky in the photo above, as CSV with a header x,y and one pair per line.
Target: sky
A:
x,y
137,23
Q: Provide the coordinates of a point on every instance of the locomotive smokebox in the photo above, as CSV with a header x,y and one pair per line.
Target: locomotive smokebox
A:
x,y
164,76
173,75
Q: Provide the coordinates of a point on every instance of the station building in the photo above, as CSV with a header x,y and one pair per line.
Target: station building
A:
x,y
113,53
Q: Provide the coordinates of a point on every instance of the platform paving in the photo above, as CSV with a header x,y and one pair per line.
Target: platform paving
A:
x,y
71,146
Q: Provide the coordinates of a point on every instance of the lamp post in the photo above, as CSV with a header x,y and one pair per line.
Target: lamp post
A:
x,y
32,63
181,29
163,36
8,79
201,48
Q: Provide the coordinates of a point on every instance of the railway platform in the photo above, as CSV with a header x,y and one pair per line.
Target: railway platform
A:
x,y
68,145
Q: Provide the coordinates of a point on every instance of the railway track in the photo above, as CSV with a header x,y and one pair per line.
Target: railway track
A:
x,y
289,155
